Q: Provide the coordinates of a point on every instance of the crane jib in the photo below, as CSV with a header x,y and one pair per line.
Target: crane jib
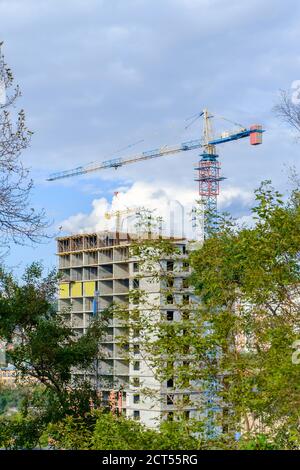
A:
x,y
158,152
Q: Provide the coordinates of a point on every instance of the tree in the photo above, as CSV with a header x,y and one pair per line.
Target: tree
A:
x,y
288,110
248,280
46,351
107,431
18,221
19,432
10,397
235,349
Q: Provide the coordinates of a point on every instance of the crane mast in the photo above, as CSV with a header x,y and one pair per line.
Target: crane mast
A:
x,y
208,175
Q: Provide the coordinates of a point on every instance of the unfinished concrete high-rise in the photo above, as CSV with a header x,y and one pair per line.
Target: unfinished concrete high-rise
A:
x,y
97,270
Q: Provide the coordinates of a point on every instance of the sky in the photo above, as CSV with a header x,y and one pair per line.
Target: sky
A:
x,y
108,78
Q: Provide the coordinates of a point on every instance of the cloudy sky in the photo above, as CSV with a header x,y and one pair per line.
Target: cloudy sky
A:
x,y
98,76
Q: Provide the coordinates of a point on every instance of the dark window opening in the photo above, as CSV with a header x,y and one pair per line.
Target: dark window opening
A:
x,y
135,267
170,399
170,315
170,265
136,398
170,383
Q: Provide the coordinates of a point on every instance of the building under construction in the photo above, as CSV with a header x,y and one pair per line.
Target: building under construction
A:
x,y
97,270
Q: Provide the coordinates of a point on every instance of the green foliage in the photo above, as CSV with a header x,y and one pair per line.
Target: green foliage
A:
x,y
248,280
45,349
10,397
23,305
120,433
181,434
20,432
260,442
73,433
107,431
236,347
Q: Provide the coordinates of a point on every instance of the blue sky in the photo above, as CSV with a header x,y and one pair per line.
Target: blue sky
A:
x,y
100,75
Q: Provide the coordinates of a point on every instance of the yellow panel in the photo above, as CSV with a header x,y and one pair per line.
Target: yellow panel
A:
x,y
89,288
64,290
76,289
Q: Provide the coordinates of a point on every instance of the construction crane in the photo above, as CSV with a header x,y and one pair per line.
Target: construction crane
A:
x,y
208,168
118,214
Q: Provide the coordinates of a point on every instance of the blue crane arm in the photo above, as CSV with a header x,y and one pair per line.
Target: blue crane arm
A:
x,y
155,153
235,136
117,162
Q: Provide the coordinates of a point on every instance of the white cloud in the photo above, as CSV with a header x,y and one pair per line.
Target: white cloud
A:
x,y
91,222
234,194
246,220
173,203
